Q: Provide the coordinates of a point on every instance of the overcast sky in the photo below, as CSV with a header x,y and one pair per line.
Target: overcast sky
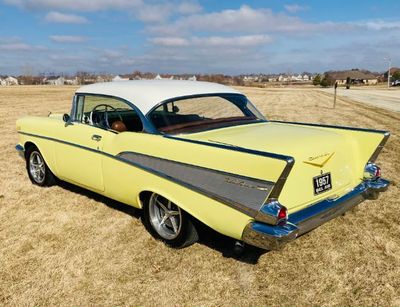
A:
x,y
189,36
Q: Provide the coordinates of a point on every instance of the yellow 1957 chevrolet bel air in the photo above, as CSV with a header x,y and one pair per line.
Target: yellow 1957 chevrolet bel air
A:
x,y
185,150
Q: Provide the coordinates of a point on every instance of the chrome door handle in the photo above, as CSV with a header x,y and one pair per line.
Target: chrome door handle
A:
x,y
96,137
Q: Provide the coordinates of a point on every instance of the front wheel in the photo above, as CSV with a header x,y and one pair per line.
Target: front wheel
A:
x,y
38,171
167,222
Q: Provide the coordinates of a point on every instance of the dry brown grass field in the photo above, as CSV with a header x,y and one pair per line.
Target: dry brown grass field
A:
x,y
65,246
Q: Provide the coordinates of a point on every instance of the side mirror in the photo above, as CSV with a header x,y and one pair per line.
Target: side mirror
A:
x,y
175,109
66,118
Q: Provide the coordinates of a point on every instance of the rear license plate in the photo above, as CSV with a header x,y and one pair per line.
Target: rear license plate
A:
x,y
322,183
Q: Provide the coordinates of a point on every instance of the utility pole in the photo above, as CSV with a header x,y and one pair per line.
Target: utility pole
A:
x,y
334,96
390,64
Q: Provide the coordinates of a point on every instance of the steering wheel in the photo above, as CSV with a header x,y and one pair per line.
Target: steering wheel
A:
x,y
105,118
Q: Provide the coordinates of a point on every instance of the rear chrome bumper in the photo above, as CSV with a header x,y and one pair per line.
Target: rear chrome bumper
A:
x,y
21,151
272,237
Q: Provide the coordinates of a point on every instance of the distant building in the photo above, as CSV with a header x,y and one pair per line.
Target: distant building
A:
x,y
54,80
2,82
119,78
250,78
392,71
9,80
71,81
193,78
283,78
158,77
306,78
355,76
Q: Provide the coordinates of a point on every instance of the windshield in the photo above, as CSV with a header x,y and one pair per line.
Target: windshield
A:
x,y
195,114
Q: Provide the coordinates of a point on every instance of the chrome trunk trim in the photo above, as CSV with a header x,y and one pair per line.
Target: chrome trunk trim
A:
x,y
380,147
330,126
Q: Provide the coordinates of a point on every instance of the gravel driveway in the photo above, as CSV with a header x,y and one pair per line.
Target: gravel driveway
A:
x,y
383,98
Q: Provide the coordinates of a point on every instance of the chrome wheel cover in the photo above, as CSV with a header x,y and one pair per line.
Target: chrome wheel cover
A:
x,y
165,217
37,168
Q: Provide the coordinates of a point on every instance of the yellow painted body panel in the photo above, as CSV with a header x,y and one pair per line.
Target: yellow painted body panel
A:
x,y
349,151
74,156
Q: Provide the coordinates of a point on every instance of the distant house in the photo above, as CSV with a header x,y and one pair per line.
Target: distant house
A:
x,y
250,78
72,81
392,71
119,78
10,80
306,78
2,82
54,80
193,78
158,77
283,78
355,76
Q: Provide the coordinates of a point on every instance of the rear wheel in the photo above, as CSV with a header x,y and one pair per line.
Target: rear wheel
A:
x,y
167,222
38,171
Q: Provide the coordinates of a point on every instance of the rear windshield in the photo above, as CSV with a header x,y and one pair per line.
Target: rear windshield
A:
x,y
195,114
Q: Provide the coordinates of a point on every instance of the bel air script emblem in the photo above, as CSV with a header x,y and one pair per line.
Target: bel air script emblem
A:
x,y
319,160
244,184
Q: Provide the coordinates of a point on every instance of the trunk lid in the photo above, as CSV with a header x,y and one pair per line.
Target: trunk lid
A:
x,y
316,152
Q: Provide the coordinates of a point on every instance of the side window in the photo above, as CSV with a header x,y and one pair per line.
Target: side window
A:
x,y
107,113
79,108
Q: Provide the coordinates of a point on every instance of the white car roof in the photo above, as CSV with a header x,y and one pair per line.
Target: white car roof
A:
x,y
146,94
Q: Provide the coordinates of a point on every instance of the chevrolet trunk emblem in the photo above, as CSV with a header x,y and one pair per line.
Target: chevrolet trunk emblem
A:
x,y
319,160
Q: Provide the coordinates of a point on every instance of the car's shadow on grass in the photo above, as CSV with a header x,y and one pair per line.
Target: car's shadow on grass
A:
x,y
113,204
207,236
226,245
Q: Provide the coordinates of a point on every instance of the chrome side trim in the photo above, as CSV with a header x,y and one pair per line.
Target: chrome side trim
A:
x,y
288,159
234,204
243,193
21,150
277,189
271,237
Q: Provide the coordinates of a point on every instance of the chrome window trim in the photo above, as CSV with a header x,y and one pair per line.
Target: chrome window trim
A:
x,y
262,120
189,97
147,125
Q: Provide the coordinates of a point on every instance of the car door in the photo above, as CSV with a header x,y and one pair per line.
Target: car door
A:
x,y
79,152
78,157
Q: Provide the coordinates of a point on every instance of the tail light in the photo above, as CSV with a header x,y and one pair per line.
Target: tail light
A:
x,y
372,171
282,215
272,213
